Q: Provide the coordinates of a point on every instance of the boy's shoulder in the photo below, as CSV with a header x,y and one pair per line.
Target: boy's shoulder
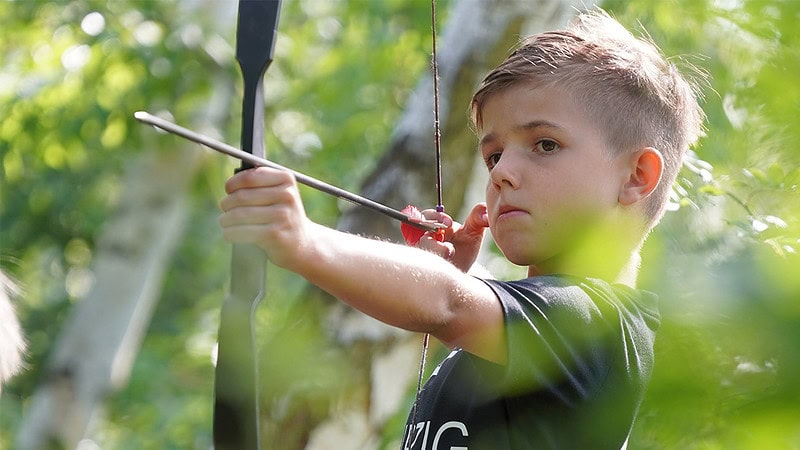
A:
x,y
569,286
576,299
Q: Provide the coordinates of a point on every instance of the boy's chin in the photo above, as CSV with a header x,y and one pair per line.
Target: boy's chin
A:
x,y
525,259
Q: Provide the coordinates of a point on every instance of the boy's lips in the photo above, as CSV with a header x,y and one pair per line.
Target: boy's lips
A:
x,y
509,211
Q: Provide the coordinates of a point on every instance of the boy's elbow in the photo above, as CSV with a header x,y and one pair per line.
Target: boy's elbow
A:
x,y
473,321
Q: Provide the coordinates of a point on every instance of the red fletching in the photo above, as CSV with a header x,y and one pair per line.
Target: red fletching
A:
x,y
412,234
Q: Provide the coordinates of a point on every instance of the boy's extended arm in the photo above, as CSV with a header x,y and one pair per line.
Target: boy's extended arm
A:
x,y
401,286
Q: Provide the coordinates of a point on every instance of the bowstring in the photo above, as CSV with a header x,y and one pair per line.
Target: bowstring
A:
x,y
437,140
437,134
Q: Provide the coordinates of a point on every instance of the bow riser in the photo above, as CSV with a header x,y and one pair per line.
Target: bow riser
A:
x,y
236,412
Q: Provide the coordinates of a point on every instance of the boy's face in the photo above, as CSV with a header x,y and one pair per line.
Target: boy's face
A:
x,y
552,179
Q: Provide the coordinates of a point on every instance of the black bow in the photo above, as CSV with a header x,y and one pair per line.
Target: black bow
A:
x,y
236,416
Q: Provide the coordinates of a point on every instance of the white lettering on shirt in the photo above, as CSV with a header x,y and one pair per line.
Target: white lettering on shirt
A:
x,y
445,427
417,429
421,427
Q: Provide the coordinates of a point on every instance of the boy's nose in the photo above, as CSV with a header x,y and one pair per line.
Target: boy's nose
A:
x,y
505,174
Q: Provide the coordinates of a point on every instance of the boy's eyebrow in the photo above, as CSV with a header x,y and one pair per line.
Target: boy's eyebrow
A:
x,y
532,125
538,124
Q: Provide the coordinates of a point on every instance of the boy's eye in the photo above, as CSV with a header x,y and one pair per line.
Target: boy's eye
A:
x,y
547,146
492,160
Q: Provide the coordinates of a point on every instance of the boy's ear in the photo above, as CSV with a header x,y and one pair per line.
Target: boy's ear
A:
x,y
646,166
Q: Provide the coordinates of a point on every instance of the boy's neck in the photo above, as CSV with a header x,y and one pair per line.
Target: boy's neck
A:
x,y
626,273
602,253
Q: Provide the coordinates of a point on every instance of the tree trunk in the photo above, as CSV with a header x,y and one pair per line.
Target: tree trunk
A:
x,y
95,350
382,360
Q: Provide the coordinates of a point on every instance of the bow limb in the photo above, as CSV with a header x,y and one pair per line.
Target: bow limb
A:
x,y
236,412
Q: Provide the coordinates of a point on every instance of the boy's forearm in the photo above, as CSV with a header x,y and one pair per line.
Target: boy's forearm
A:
x,y
402,286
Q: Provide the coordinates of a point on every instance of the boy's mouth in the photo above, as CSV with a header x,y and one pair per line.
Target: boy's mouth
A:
x,y
508,211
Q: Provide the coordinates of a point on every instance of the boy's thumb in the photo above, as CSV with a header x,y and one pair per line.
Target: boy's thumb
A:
x,y
477,221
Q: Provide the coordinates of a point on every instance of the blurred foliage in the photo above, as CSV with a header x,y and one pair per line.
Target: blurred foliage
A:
x,y
72,75
725,261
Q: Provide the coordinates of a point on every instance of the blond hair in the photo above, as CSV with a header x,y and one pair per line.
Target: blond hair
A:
x,y
625,84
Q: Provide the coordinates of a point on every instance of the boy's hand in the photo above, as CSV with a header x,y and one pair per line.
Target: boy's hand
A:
x,y
461,242
263,207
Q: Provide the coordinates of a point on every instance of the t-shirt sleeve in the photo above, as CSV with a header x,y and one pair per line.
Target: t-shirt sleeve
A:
x,y
558,338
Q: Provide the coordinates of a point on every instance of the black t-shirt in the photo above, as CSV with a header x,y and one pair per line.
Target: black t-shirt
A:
x,y
580,352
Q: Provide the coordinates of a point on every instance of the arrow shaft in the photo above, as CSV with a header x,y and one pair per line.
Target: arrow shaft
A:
x,y
256,161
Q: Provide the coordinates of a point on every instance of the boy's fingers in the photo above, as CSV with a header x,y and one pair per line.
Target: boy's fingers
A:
x,y
443,249
261,186
257,177
250,215
258,196
441,217
477,221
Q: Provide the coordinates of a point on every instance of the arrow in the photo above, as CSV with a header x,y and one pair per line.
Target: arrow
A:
x,y
255,161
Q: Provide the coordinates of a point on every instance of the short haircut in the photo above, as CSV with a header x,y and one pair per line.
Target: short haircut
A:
x,y
625,84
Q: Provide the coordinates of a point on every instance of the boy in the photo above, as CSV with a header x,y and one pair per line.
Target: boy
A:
x,y
582,132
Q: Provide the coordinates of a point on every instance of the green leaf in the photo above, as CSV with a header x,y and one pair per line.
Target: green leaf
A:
x,y
775,173
712,190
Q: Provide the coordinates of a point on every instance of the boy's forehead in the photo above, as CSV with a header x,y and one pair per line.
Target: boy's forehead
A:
x,y
539,87
536,106
528,101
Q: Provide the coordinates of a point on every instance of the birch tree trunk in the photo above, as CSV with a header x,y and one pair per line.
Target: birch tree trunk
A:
x,y
95,351
382,359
